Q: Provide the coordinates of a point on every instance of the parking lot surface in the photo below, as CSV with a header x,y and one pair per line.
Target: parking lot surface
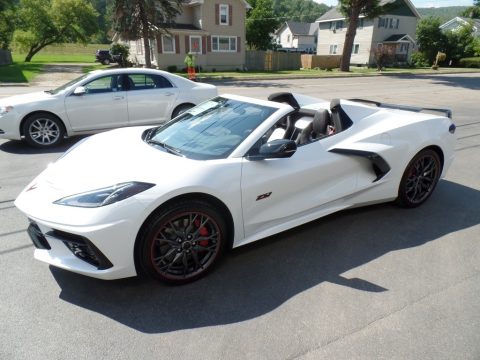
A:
x,y
378,282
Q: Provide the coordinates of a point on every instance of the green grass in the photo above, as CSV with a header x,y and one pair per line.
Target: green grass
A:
x,y
19,72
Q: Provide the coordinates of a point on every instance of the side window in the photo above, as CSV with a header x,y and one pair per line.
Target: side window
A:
x,y
161,82
102,85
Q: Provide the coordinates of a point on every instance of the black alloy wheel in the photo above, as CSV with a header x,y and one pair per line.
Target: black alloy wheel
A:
x,y
183,242
419,179
43,130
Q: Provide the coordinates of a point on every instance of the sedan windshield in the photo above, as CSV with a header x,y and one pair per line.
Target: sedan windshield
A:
x,y
67,85
211,130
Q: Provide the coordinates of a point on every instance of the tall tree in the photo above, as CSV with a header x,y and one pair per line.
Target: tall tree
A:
x,y
473,12
298,10
7,22
352,9
430,38
144,19
261,22
46,22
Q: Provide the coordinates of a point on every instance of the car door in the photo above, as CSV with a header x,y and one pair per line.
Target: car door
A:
x,y
102,106
151,99
275,191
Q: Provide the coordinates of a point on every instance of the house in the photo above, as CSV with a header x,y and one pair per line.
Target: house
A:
x,y
213,30
395,30
457,22
297,36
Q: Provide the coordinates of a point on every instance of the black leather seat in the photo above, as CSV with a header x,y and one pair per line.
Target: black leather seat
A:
x,y
316,129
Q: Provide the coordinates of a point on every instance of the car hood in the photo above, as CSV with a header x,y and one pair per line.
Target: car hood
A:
x,y
112,158
26,98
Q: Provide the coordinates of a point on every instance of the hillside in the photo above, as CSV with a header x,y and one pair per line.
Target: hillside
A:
x,y
444,13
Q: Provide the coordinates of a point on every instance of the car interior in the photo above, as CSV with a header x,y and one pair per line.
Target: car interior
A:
x,y
304,125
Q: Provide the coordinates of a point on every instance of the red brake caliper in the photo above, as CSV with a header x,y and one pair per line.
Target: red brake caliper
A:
x,y
203,231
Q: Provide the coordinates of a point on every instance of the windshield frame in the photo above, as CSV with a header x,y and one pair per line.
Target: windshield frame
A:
x,y
68,85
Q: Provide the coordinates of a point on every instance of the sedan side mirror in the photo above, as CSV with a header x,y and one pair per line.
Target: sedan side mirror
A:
x,y
275,149
79,91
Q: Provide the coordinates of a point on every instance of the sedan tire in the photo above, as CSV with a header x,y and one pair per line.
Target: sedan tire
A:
x,y
182,242
43,130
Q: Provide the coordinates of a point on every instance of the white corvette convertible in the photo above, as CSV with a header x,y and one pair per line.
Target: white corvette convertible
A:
x,y
168,201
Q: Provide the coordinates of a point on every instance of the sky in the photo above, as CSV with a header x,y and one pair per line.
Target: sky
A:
x,y
419,3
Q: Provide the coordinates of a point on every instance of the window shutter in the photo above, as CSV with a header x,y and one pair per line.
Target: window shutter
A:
x,y
239,44
204,44
209,43
177,44
187,44
230,15
159,44
217,13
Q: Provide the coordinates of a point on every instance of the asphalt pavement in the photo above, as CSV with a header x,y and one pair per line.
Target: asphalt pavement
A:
x,y
378,282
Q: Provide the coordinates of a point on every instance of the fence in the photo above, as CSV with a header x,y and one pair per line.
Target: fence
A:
x,y
321,61
258,60
5,57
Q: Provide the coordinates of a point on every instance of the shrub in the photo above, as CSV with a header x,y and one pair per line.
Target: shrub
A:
x,y
418,59
172,68
121,52
473,62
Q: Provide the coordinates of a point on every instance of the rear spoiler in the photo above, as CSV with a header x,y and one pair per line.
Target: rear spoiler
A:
x,y
447,112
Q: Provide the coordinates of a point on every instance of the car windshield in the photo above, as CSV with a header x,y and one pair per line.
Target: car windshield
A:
x,y
211,130
67,85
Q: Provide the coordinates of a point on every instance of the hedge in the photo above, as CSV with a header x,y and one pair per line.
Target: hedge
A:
x,y
473,62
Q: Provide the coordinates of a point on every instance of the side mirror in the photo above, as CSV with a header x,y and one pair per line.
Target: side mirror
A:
x,y
275,149
79,91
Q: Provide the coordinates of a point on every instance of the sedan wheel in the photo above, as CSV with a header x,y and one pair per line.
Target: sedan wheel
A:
x,y
183,242
43,130
419,179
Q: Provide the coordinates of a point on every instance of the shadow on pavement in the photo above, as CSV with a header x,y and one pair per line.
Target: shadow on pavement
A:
x,y
447,80
255,279
22,148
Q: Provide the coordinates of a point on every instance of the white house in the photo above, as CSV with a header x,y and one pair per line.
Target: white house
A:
x,y
457,22
297,36
395,29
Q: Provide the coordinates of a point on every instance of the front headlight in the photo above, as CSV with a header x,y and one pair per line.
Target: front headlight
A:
x,y
5,109
105,196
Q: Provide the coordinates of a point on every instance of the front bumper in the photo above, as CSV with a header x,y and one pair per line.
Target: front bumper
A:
x,y
9,127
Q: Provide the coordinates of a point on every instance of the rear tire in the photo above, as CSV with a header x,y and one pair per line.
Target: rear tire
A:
x,y
419,179
183,242
106,62
180,109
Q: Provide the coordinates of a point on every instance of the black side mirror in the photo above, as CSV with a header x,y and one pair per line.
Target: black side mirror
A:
x,y
275,149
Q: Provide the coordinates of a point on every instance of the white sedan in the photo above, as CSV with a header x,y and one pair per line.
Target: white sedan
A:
x,y
169,200
98,101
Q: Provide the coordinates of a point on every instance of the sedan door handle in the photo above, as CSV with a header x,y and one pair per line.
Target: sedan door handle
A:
x,y
118,97
169,94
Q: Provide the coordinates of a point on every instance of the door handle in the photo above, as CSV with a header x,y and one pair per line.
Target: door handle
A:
x,y
169,94
118,97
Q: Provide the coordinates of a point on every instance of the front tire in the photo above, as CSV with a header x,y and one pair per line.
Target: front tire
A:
x,y
419,179
43,131
183,242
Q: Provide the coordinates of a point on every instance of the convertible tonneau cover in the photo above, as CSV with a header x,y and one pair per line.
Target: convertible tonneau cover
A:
x,y
447,112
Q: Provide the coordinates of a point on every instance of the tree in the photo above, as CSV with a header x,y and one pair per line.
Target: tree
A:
x,y
46,22
7,23
261,22
143,19
473,12
352,9
430,38
460,43
298,10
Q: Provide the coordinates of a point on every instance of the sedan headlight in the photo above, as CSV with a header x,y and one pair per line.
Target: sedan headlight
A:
x,y
105,196
5,109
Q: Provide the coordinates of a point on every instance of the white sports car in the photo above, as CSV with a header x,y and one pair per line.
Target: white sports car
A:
x,y
98,101
169,200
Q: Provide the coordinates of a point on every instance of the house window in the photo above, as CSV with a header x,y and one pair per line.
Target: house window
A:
x,y
356,47
288,38
333,49
168,44
195,44
224,43
360,24
223,15
391,23
397,23
139,46
336,25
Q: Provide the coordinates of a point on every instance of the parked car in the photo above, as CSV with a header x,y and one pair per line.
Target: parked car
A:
x,y
97,101
105,57
169,200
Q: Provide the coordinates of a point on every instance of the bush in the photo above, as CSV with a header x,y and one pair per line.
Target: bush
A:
x,y
172,68
473,62
418,59
121,52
